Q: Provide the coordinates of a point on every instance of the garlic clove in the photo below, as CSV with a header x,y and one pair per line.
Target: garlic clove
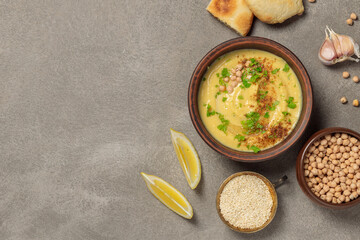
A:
x,y
338,48
336,41
327,52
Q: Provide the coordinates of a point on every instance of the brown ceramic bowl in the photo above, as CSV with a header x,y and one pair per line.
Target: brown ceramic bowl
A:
x,y
251,43
273,195
300,163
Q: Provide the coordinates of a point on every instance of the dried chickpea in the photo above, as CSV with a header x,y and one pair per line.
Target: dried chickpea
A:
x,y
348,182
343,100
353,16
350,22
356,103
345,75
355,79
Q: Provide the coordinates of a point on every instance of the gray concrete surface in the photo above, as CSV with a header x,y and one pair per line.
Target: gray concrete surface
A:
x,y
88,92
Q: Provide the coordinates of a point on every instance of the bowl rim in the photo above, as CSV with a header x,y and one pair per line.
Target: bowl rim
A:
x,y
273,193
248,43
300,175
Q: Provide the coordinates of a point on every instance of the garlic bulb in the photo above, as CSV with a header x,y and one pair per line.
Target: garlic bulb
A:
x,y
338,48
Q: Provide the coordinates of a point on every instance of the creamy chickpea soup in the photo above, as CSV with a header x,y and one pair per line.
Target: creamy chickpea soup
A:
x,y
250,100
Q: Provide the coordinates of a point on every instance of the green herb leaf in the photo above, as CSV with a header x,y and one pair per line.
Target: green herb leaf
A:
x,y
246,84
225,72
286,68
286,113
254,78
209,112
217,94
225,123
255,149
265,73
221,81
253,62
239,137
291,103
258,69
240,97
263,94
266,115
275,70
224,99
273,107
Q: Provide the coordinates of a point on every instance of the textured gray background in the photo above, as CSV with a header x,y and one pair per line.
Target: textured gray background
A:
x,y
88,92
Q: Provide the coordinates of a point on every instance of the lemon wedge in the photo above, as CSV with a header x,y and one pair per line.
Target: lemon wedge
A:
x,y
168,195
188,157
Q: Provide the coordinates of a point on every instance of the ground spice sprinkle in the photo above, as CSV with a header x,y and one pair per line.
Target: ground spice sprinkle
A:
x,y
246,202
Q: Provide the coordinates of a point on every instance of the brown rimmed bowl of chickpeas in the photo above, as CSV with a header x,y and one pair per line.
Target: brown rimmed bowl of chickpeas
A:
x,y
328,168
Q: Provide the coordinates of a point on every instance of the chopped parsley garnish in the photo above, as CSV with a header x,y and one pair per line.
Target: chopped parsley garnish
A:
x,y
291,103
275,70
254,78
258,69
218,74
262,94
240,105
273,106
204,78
209,112
224,123
246,84
286,113
240,97
217,94
286,68
255,149
253,62
224,99
225,72
240,138
221,82
265,73
266,115
251,124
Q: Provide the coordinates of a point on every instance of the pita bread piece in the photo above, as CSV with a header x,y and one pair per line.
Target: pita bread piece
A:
x,y
275,11
234,13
